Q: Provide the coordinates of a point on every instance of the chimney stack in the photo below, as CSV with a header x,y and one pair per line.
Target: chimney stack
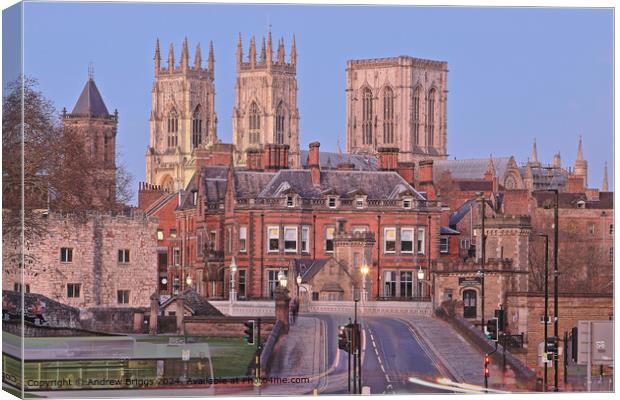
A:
x,y
426,179
388,158
407,171
254,159
275,157
314,164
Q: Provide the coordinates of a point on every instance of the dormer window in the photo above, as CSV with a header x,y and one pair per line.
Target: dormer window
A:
x,y
290,202
581,204
407,204
331,202
359,202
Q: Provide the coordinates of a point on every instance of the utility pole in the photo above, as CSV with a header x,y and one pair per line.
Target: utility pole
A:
x,y
482,260
546,305
555,282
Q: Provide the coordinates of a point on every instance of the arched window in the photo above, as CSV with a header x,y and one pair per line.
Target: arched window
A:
x,y
430,118
367,116
279,139
196,127
388,116
254,123
415,120
173,128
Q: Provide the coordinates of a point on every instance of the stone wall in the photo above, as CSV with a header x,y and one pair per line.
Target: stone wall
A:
x,y
94,242
224,326
115,320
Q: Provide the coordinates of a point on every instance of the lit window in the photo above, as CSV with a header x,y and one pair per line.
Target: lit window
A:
x,y
420,241
122,296
331,202
329,239
273,233
290,239
443,244
406,240
305,239
389,240
160,234
66,254
243,233
123,256
73,290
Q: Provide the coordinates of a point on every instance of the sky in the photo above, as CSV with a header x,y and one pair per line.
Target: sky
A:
x,y
515,74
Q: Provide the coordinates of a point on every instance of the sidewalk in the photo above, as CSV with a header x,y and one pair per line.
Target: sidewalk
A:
x,y
461,358
299,354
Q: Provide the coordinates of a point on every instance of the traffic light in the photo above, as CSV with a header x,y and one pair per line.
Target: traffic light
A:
x,y
501,322
249,331
343,340
492,329
552,346
487,361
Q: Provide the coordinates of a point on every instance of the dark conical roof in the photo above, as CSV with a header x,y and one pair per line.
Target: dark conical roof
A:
x,y
90,102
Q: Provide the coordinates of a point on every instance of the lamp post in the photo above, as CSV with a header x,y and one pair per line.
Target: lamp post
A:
x,y
233,270
546,305
482,259
298,279
282,278
188,280
364,270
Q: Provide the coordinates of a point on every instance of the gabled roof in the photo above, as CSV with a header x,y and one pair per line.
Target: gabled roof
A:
x,y
198,305
377,185
90,102
473,168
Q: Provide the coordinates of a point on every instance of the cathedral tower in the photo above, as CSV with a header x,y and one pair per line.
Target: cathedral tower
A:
x,y
397,102
182,118
581,165
92,122
265,109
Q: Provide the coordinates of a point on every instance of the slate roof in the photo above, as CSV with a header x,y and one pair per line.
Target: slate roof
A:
x,y
330,160
198,304
308,268
473,168
549,178
571,200
249,184
90,102
346,184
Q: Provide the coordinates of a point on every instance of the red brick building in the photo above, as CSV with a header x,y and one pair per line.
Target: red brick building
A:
x,y
266,215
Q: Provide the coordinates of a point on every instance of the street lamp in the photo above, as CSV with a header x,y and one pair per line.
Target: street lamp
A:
x,y
233,270
188,280
298,284
364,270
282,278
420,273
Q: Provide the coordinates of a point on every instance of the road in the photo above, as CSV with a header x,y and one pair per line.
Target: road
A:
x,y
391,354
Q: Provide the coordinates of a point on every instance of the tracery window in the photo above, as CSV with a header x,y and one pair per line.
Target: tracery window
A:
x,y
196,127
415,120
388,116
279,139
254,123
367,116
430,117
173,128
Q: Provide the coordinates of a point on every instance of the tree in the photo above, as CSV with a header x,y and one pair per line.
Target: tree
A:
x,y
45,167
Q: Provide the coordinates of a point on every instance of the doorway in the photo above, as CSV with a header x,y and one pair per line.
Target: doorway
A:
x,y
469,303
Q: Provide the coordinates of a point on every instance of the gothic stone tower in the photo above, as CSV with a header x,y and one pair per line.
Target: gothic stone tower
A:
x,y
182,119
397,102
265,109
91,121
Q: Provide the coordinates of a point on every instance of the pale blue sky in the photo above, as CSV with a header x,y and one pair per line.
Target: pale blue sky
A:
x,y
515,73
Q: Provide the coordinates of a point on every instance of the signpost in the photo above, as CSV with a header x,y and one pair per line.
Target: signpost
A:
x,y
595,344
